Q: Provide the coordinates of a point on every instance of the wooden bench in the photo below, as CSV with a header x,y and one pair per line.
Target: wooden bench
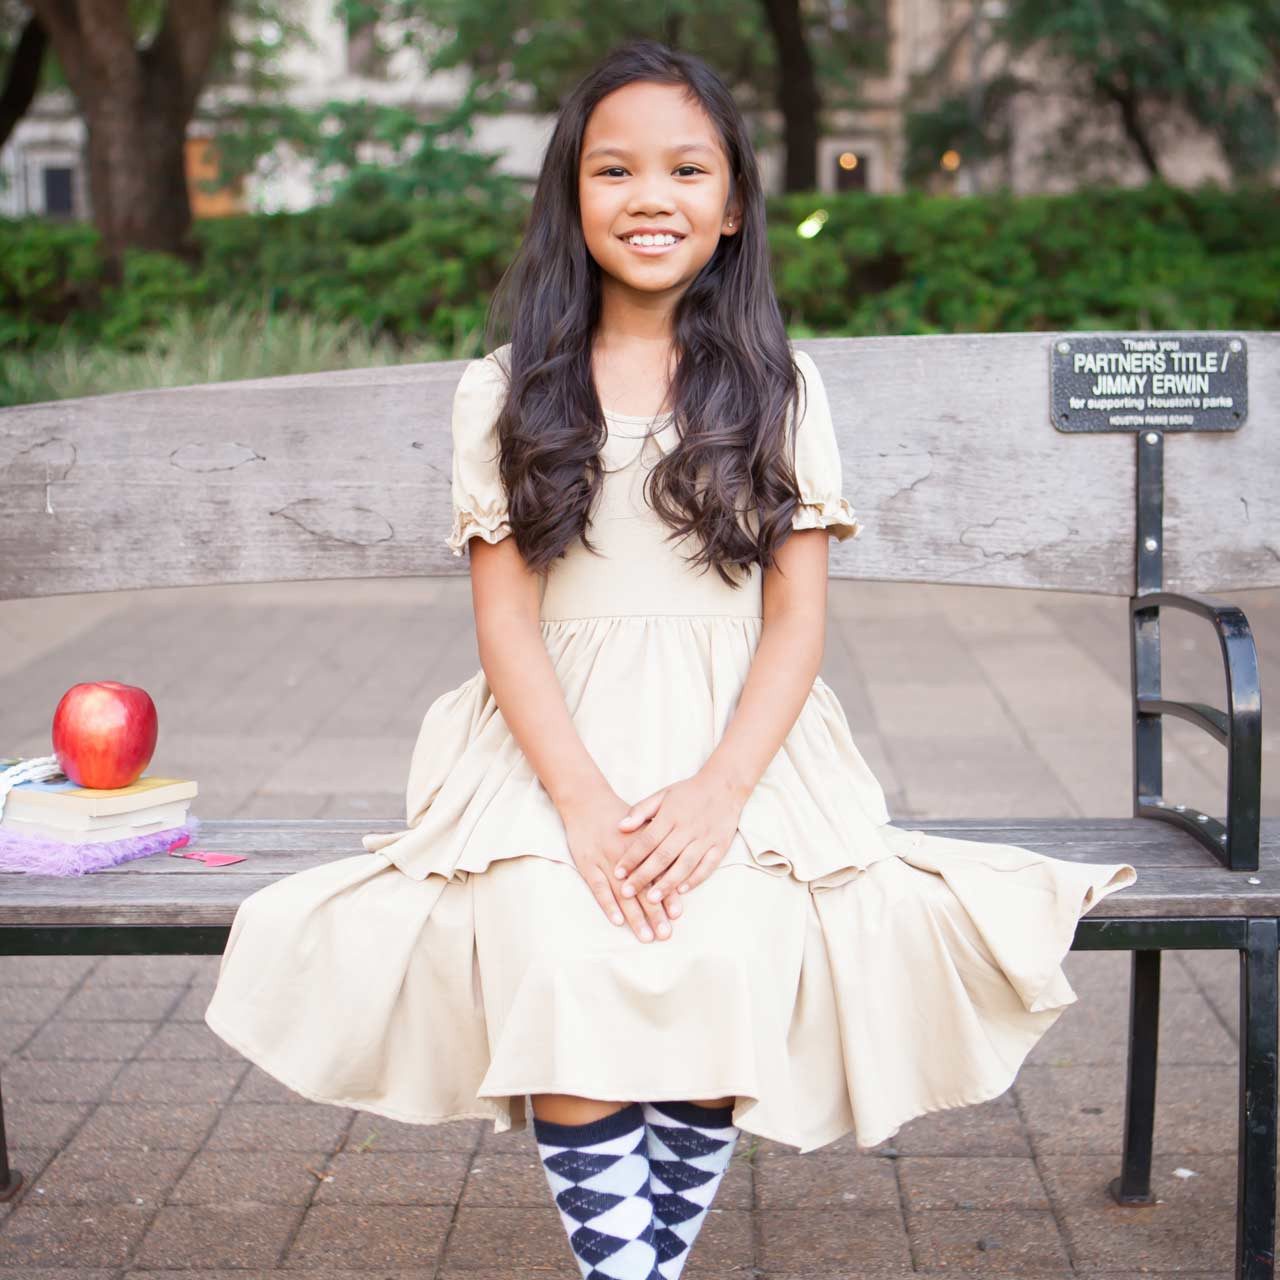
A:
x,y
961,477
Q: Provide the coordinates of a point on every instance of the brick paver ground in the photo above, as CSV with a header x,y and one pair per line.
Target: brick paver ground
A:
x,y
151,1149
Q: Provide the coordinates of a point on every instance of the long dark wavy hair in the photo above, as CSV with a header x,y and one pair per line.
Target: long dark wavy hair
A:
x,y
735,378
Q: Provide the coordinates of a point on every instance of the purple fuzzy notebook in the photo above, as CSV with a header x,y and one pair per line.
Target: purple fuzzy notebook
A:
x,y
58,858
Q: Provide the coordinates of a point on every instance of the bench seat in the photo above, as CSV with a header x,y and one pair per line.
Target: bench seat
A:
x,y
1177,876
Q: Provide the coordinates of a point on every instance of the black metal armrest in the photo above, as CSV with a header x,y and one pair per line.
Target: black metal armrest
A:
x,y
1235,841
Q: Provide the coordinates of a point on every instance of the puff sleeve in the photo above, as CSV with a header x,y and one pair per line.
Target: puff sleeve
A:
x,y
817,461
479,500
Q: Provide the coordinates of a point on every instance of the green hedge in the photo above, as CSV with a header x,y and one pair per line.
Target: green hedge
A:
x,y
1155,257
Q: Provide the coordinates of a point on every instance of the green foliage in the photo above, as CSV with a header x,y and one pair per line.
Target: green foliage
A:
x,y
221,344
405,273
1216,60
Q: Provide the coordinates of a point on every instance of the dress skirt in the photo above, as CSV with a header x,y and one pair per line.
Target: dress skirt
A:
x,y
918,984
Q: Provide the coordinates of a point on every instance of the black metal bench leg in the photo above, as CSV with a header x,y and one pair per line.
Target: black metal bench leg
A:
x,y
1256,1169
10,1179
1133,1186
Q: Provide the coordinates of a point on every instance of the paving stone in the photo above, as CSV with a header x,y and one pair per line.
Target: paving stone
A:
x,y
143,971
1080,1110
257,1086
725,1245
30,1004
397,1177
1095,1031
1104,1236
187,1040
118,1003
147,1126
246,1126
495,1180
363,1237
371,1132
816,1179
27,1080
509,1237
159,1081
45,971
1176,1179
15,1036
87,1175
1005,1241
992,1128
964,1182
234,1234
876,1239
70,1040
58,1273
264,1177
195,1000
44,1124
40,1235
30,1162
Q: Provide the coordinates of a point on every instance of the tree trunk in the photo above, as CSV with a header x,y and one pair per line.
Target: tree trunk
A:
x,y
136,104
137,170
798,97
1125,98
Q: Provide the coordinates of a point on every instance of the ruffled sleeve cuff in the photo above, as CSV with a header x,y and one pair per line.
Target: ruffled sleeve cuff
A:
x,y
834,514
817,461
478,497
492,526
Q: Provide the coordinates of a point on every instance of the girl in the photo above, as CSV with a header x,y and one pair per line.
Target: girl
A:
x,y
648,882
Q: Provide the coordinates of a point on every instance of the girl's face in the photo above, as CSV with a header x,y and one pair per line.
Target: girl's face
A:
x,y
653,160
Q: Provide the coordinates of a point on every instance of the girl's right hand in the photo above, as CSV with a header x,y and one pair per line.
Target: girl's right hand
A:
x,y
596,844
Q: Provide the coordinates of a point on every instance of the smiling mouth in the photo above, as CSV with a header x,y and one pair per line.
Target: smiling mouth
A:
x,y
652,250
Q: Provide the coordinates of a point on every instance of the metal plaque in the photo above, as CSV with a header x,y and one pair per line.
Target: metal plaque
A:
x,y
1149,381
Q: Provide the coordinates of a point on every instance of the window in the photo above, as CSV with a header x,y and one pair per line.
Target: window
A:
x,y
851,170
58,198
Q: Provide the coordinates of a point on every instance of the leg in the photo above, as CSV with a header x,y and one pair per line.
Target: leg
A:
x,y
1133,1186
565,1108
1256,1167
597,1165
690,1146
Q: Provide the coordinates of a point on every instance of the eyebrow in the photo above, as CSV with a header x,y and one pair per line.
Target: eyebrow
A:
x,y
626,155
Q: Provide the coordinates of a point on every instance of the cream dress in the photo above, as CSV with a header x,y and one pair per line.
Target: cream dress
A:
x,y
834,973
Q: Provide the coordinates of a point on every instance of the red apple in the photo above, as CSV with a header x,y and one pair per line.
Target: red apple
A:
x,y
104,733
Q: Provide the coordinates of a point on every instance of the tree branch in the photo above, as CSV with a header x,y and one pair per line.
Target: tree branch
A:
x,y
58,18
185,44
23,78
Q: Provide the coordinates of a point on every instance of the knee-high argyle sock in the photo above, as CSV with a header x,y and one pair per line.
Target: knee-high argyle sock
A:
x,y
689,1151
599,1176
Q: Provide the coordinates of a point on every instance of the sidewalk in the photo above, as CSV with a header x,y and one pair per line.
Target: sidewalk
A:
x,y
151,1149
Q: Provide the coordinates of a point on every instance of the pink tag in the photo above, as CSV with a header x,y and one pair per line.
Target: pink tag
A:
x,y
211,859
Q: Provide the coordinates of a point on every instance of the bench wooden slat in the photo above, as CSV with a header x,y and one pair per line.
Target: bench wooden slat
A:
x,y
1175,875
949,458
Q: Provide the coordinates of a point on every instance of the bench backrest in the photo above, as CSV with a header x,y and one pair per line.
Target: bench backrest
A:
x,y
950,460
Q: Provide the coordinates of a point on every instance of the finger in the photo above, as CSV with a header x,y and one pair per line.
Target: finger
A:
x,y
644,921
602,891
706,865
645,876
666,884
642,810
638,848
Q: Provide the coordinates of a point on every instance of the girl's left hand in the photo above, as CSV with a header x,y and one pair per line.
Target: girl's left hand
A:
x,y
684,831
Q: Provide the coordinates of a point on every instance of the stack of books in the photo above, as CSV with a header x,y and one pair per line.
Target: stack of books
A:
x,y
56,808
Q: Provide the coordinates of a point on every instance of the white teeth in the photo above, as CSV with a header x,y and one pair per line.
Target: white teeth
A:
x,y
651,240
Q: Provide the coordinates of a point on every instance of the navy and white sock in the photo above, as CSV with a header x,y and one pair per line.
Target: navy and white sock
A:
x,y
689,1151
599,1176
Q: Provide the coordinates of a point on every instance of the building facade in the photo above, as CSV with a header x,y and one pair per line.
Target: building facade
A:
x,y
937,48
